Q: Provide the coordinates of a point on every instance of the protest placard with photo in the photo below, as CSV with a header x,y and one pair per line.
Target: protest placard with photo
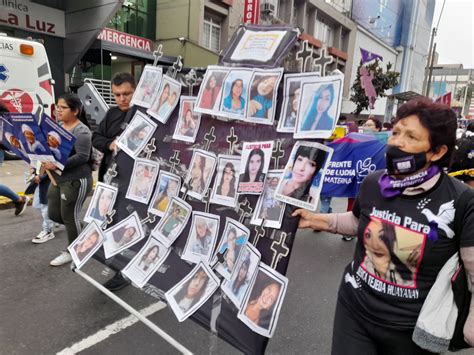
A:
x,y
210,92
123,235
189,121
102,202
134,138
254,166
86,244
143,180
168,186
12,142
224,189
200,172
148,86
165,100
202,237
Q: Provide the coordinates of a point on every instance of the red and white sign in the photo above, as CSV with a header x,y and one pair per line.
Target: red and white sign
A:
x,y
252,11
125,39
444,99
17,100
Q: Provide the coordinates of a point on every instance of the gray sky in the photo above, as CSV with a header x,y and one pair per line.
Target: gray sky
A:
x,y
454,40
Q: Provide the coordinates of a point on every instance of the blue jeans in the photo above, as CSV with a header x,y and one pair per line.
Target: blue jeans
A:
x,y
325,204
48,224
7,192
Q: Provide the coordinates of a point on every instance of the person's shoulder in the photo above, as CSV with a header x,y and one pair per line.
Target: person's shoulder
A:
x,y
81,128
373,177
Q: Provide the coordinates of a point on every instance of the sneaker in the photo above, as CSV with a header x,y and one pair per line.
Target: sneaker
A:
x,y
43,237
21,206
116,283
347,238
61,259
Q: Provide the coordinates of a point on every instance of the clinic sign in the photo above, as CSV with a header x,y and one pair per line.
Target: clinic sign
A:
x,y
252,11
32,17
125,39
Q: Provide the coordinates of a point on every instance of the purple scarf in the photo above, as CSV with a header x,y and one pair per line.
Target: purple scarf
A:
x,y
391,187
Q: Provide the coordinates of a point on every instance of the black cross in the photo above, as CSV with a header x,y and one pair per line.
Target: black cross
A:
x,y
209,137
277,153
150,218
232,139
259,233
108,219
110,174
191,80
279,249
206,198
158,53
305,53
150,148
175,68
245,210
174,160
323,61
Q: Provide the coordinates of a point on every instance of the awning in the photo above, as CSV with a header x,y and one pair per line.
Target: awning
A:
x,y
406,96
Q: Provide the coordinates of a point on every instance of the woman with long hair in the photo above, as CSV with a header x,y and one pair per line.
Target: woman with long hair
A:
x,y
197,182
254,168
242,279
83,248
192,292
149,258
234,102
262,301
317,117
203,232
211,91
227,184
189,125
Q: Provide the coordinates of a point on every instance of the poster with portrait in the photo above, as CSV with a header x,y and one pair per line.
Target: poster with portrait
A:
x,y
232,242
102,202
143,180
258,46
224,189
210,92
192,291
201,170
189,121
134,138
173,222
269,211
12,142
166,99
123,235
254,165
86,244
167,187
147,86
304,173
320,106
262,304
242,276
146,262
234,93
262,96
202,237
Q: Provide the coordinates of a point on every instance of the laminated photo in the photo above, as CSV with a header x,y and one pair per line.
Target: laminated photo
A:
x,y
234,237
210,91
173,222
201,170
86,244
168,186
12,142
269,211
254,165
262,304
224,189
147,86
134,138
166,99
320,106
192,292
263,96
242,276
257,45
123,235
234,93
143,180
189,121
147,261
202,237
102,202
303,176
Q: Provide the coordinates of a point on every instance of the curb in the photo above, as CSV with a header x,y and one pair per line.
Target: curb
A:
x,y
6,203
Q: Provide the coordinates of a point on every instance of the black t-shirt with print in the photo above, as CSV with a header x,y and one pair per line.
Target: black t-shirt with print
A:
x,y
403,242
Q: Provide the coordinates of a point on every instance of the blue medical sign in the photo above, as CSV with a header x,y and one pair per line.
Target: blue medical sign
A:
x,y
3,73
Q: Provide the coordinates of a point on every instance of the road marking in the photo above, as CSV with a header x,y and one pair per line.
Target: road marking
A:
x,y
111,329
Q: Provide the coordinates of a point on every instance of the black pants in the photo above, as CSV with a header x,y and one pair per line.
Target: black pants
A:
x,y
354,336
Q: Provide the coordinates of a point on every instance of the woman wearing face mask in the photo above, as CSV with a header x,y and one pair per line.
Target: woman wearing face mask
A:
x,y
373,314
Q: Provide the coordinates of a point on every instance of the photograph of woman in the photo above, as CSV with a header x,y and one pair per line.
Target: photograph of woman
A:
x,y
143,180
224,188
242,278
123,235
227,186
263,89
269,210
148,86
86,244
168,187
102,203
136,135
166,99
188,123
208,97
200,174
252,174
291,100
202,237
173,222
234,94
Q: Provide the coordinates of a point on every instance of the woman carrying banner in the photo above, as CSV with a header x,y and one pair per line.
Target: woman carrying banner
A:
x,y
374,315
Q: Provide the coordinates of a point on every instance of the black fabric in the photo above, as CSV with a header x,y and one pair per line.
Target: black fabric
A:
x,y
43,189
464,153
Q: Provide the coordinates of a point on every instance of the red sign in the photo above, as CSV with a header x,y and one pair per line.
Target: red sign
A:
x,y
125,39
445,99
17,100
252,11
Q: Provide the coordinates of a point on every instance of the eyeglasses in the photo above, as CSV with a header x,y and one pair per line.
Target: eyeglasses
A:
x,y
61,108
125,94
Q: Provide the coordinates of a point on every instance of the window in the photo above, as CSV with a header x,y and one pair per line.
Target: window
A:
x,y
324,32
212,34
136,17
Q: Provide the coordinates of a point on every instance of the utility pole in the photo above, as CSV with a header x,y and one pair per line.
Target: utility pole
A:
x,y
465,94
430,71
430,55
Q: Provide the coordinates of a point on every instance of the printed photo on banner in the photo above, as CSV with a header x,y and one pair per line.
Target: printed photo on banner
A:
x,y
201,169
224,189
167,187
202,237
254,165
102,202
269,210
210,92
86,244
173,222
320,106
123,235
166,99
148,86
262,304
242,276
134,138
392,253
147,261
188,123
258,45
263,96
192,292
233,239
12,142
304,175
143,180
235,92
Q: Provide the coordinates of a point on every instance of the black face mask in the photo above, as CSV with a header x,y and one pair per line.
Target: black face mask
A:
x,y
402,163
